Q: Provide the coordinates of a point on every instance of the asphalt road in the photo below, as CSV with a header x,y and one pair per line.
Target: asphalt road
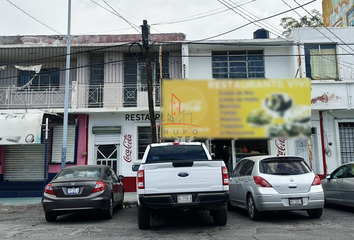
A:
x,y
29,223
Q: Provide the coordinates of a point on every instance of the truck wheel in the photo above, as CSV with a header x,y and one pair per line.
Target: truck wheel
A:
x,y
220,217
315,213
143,217
50,216
253,212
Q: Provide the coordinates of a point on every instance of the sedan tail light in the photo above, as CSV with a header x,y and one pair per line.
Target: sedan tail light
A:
x,y
225,176
316,181
141,179
99,187
261,182
49,189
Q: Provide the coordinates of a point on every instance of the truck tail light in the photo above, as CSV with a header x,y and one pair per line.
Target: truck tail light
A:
x,y
99,187
316,181
225,176
141,179
49,189
261,182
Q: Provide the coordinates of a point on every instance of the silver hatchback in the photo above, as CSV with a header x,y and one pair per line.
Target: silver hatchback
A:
x,y
275,183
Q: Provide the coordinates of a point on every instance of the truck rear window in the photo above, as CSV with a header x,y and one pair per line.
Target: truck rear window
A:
x,y
284,167
175,153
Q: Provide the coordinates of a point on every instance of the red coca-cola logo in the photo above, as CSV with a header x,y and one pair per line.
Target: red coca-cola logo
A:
x,y
280,144
128,144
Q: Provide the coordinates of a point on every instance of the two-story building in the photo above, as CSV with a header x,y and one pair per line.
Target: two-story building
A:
x,y
108,107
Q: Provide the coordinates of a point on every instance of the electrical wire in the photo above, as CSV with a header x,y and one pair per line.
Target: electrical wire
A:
x,y
33,17
116,14
244,25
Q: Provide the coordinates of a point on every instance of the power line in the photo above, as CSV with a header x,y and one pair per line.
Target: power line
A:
x,y
116,13
242,26
33,17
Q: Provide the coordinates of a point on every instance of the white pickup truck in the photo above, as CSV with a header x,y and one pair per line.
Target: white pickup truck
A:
x,y
181,176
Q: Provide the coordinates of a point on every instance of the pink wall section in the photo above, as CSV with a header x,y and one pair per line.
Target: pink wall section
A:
x,y
2,159
82,121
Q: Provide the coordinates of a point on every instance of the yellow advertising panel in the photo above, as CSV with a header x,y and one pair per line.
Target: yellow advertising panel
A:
x,y
236,109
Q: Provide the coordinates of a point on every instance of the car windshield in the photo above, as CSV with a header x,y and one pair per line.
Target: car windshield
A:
x,y
78,173
284,167
176,152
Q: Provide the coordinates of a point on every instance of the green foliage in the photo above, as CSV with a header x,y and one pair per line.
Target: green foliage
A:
x,y
288,23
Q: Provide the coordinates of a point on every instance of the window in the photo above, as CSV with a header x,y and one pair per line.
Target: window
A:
x,y
246,168
238,64
45,80
339,172
144,139
176,152
283,167
346,140
321,62
96,81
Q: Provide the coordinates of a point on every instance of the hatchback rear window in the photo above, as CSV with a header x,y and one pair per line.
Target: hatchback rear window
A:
x,y
176,152
284,167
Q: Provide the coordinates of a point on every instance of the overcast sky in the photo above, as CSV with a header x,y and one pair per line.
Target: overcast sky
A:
x,y
198,19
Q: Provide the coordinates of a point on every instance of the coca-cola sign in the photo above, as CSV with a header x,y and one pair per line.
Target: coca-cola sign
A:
x,y
280,144
128,144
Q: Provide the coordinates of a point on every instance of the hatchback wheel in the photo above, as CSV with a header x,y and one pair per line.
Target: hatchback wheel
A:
x,y
315,213
253,212
108,213
50,216
143,217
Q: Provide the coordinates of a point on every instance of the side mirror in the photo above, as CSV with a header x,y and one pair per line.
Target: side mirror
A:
x,y
328,177
120,177
135,167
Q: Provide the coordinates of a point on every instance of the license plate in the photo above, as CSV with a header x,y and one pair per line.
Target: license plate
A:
x,y
73,190
186,198
295,202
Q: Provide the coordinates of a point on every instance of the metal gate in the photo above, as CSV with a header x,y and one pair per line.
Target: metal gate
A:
x,y
107,150
57,144
24,162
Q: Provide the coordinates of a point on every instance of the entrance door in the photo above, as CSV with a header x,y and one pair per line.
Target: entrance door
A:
x,y
107,150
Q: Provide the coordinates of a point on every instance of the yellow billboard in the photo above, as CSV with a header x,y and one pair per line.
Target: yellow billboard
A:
x,y
236,109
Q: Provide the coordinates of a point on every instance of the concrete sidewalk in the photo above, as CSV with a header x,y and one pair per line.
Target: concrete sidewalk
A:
x,y
29,202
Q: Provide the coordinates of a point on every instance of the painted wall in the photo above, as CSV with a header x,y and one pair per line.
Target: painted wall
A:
x,y
338,13
128,148
82,122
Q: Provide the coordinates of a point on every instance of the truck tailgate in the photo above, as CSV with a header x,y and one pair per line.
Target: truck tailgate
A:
x,y
203,176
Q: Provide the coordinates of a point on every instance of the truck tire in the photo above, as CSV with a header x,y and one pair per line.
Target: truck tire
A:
x,y
143,217
50,216
220,217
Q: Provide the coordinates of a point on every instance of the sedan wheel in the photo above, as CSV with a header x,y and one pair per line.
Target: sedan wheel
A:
x,y
50,216
315,213
108,214
253,212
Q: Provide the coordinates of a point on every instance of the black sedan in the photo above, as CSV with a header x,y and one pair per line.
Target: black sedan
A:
x,y
80,188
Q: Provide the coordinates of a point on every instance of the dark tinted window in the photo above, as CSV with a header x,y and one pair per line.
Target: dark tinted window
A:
x,y
340,172
79,173
176,152
246,168
237,169
284,167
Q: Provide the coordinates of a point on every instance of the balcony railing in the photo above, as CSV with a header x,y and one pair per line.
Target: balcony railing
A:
x,y
111,95
12,98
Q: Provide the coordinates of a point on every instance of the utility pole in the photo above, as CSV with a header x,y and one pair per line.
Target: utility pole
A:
x,y
145,36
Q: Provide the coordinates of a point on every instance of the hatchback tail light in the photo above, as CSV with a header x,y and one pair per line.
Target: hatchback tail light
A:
x,y
141,179
49,189
316,181
225,176
261,182
99,187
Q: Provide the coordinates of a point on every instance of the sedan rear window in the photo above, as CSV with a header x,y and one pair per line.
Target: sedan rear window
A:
x,y
284,167
176,152
78,173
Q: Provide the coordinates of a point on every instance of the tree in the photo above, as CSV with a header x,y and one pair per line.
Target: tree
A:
x,y
288,23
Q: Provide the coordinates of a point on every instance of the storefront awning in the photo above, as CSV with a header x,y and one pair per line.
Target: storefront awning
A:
x,y
20,128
